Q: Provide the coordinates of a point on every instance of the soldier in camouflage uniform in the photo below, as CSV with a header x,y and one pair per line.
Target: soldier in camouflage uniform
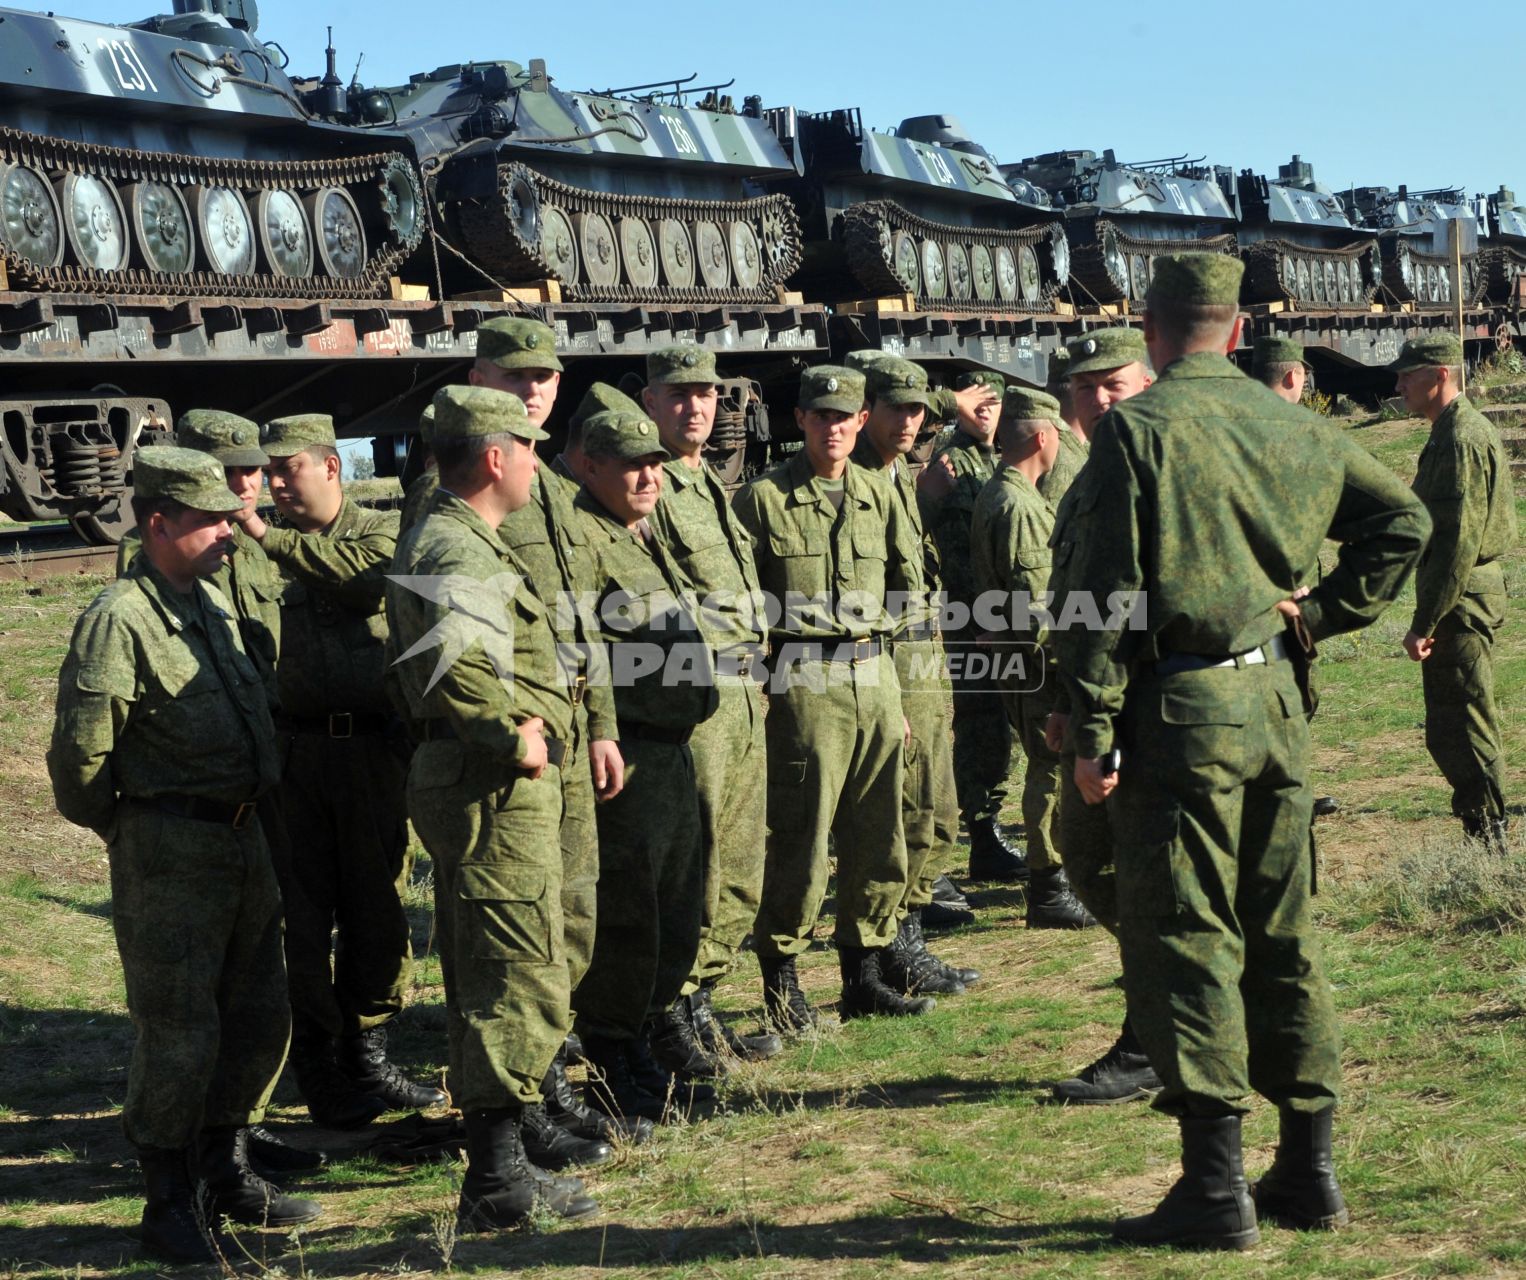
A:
x,y
1278,363
345,858
1010,558
1212,498
694,522
421,488
1464,481
831,549
651,856
162,745
488,703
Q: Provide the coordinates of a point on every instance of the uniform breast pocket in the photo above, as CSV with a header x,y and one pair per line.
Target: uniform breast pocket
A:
x,y
799,561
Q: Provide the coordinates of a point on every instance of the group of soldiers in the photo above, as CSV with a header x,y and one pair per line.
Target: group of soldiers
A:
x,y
634,719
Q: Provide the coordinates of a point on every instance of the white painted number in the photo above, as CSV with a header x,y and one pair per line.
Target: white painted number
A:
x,y
683,140
940,168
131,74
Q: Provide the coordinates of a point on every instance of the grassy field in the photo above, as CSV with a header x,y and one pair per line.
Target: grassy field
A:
x,y
918,1147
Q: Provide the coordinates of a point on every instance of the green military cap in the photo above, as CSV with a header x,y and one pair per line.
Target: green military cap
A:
x,y
426,426
283,437
189,476
614,433
830,386
515,342
1022,404
1105,349
681,364
896,381
1272,349
1059,365
863,361
232,440
981,378
1196,280
1428,352
461,413
599,398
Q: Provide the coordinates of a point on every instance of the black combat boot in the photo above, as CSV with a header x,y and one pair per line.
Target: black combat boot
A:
x,y
549,1146
969,977
172,1229
1300,1190
582,1121
910,968
676,1047
1209,1207
992,856
864,991
683,1091
1051,904
949,893
719,1039
785,1007
949,908
611,1087
332,1099
1324,806
501,1188
1122,1074
271,1157
235,1191
363,1057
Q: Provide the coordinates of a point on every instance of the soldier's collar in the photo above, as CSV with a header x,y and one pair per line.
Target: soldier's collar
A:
x,y
178,611
1201,364
456,508
682,474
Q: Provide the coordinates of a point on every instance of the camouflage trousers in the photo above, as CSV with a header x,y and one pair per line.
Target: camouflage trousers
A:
x,y
1462,726
1027,713
342,863
929,807
1225,984
197,916
835,767
651,881
982,737
730,770
493,836
1086,849
580,853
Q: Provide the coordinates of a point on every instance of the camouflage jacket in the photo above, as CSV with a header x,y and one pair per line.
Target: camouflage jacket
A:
x,y
697,526
1010,538
830,573
489,622
333,623
921,553
416,500
660,665
948,518
1067,466
1464,481
1212,496
157,697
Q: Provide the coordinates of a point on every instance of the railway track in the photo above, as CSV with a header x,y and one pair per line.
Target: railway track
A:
x,y
29,553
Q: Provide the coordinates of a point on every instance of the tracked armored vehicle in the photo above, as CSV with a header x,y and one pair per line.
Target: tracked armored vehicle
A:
x,y
1300,245
1413,230
924,211
1119,217
1504,258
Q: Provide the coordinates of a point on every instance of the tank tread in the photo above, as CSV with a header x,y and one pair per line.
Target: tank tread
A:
x,y
1501,267
363,177
497,242
1102,270
868,232
1402,261
1283,271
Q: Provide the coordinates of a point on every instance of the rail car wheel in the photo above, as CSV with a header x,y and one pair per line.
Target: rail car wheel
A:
x,y
746,259
598,249
1504,338
638,251
676,252
934,270
285,238
710,250
984,273
164,240
1028,281
30,222
94,223
960,282
907,264
224,230
558,244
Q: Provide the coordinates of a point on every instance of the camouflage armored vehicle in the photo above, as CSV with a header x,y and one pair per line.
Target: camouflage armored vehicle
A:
x,y
1413,229
171,159
1504,258
924,210
1120,216
1300,245
625,195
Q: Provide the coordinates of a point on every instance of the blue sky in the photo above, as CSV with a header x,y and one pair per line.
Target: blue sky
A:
x,y
1419,93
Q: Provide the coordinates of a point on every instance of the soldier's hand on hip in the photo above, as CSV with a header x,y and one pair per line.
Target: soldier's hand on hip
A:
x,y
1054,730
1094,785
1417,646
532,734
937,479
608,767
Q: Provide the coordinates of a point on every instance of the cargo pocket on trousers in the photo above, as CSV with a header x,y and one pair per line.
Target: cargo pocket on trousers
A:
x,y
506,910
1147,867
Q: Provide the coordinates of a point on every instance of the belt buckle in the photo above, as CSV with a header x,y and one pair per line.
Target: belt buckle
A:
x,y
861,650
341,724
579,690
242,814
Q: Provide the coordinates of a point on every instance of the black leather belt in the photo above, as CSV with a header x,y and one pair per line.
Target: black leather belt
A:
x,y
845,650
921,631
197,809
652,733
444,731
337,724
1274,650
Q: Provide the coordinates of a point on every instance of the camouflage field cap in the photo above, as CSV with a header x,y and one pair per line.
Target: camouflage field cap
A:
x,y
830,386
614,433
461,413
1105,349
863,361
1271,349
897,381
232,440
1196,280
981,378
681,365
1059,365
283,437
514,342
1432,350
598,398
1022,404
188,476
426,426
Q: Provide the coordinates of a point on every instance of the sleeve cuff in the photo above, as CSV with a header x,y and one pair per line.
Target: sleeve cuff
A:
x,y
1093,738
